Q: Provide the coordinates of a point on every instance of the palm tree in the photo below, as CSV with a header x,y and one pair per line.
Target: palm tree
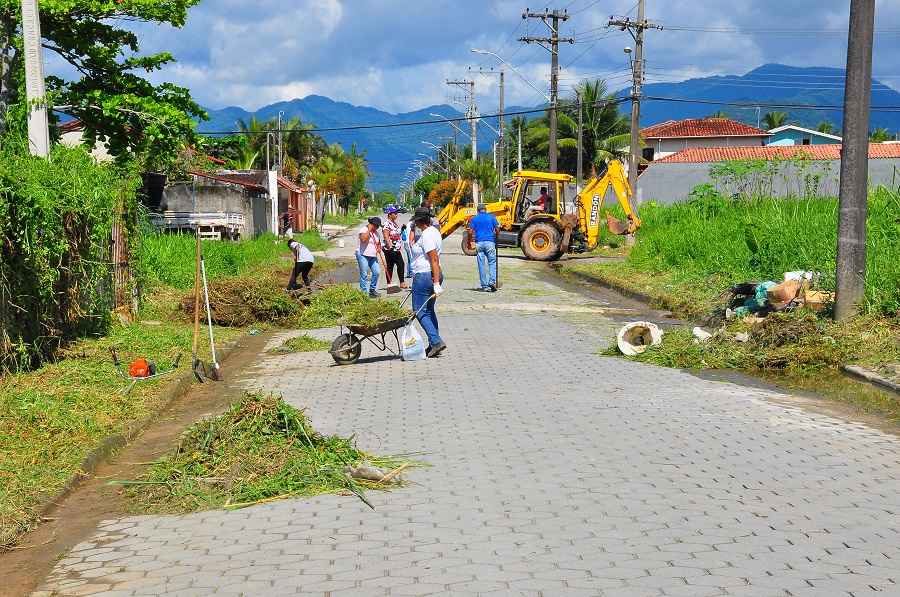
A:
x,y
826,127
773,120
880,135
482,172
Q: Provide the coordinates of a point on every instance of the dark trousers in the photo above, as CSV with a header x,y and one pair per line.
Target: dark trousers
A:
x,y
301,268
394,259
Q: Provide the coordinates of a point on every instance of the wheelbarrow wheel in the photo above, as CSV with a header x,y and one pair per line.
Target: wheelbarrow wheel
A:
x,y
345,349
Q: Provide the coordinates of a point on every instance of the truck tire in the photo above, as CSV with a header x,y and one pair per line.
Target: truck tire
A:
x,y
540,242
468,248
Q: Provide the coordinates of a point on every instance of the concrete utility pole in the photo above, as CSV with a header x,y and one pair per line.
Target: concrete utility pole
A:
x,y
501,144
35,88
469,87
551,18
636,29
520,148
851,244
579,172
280,142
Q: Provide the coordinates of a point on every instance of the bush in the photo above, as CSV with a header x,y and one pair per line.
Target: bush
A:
x,y
56,220
759,239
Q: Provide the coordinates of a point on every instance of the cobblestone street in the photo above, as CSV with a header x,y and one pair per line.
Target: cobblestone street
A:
x,y
551,471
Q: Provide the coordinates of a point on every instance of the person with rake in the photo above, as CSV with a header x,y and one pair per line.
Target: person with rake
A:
x,y
303,263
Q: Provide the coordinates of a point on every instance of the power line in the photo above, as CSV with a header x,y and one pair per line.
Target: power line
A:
x,y
769,31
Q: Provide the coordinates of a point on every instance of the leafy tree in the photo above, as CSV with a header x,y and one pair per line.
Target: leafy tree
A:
x,y
482,172
718,114
424,185
109,92
443,191
880,135
826,127
300,144
773,120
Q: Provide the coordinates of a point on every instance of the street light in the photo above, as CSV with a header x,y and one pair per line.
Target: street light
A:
x,y
450,122
515,70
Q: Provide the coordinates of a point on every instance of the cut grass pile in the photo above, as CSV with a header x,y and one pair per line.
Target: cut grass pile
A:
x,y
255,297
798,344
53,417
260,450
168,259
304,343
347,305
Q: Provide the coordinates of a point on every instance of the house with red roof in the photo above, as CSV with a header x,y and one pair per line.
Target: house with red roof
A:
x,y
664,139
795,170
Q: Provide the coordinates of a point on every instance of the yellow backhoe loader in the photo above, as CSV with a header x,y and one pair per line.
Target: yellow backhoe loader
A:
x,y
570,222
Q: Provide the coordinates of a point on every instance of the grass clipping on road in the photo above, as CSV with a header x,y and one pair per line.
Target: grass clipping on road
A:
x,y
304,343
260,450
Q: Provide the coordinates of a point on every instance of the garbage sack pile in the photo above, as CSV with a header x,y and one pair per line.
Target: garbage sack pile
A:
x,y
762,298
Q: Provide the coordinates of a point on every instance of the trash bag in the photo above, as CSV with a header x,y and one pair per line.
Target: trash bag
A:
x,y
412,346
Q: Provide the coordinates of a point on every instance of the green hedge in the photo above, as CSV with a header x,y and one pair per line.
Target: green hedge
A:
x,y
56,219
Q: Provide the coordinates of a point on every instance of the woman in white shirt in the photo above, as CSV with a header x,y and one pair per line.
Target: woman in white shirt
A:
x,y
427,277
303,263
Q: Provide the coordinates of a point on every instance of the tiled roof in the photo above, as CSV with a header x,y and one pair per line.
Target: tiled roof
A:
x,y
254,180
71,126
701,127
770,152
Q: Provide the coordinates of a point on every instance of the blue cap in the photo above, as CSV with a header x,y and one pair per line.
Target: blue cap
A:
x,y
391,209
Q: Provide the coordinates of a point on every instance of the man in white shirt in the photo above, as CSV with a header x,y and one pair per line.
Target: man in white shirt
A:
x,y
303,263
367,257
427,277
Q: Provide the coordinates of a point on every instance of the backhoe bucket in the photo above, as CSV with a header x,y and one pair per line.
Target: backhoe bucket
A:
x,y
616,226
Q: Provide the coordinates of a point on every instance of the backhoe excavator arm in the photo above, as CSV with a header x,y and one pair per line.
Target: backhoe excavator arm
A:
x,y
591,200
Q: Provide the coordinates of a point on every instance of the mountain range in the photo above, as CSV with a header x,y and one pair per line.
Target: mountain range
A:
x,y
391,149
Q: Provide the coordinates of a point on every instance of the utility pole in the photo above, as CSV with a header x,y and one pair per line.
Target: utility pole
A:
x,y
636,29
469,87
280,141
579,172
551,18
851,244
35,88
500,158
520,147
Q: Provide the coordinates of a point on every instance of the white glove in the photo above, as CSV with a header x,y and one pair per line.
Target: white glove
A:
x,y
438,290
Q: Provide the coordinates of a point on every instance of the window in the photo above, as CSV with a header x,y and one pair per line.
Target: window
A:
x,y
807,141
648,153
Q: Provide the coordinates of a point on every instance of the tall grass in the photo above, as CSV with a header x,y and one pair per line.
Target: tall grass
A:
x,y
760,239
168,259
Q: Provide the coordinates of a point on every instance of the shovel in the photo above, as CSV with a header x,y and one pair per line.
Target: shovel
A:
x,y
215,372
196,363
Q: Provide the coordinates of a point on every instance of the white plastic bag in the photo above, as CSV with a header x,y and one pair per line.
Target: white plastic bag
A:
x,y
412,346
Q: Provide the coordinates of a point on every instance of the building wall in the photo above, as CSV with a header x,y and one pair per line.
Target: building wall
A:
x,y
215,197
785,137
665,147
76,139
670,183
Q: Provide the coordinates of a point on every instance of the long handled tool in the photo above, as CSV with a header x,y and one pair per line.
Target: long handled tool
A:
x,y
498,285
196,364
215,372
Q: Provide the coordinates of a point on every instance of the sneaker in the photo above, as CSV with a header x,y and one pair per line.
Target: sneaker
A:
x,y
435,350
492,288
373,294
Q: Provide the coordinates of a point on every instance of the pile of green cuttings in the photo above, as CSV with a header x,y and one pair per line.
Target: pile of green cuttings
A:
x,y
260,450
347,305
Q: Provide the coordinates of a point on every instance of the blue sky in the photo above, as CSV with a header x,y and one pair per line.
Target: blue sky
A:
x,y
396,54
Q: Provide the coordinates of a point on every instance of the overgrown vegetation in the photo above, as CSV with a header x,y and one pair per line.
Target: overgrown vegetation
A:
x,y
261,449
710,242
798,343
168,259
56,219
53,417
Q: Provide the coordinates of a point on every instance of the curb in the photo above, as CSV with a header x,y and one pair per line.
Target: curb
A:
x,y
173,391
871,377
632,294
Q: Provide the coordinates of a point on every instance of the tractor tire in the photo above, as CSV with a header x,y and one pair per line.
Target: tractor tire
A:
x,y
468,248
540,242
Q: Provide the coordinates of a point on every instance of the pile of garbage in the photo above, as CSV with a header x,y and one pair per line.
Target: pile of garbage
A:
x,y
796,291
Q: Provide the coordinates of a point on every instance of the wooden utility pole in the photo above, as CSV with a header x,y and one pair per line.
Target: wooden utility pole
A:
x,y
551,18
35,88
851,244
636,29
469,87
